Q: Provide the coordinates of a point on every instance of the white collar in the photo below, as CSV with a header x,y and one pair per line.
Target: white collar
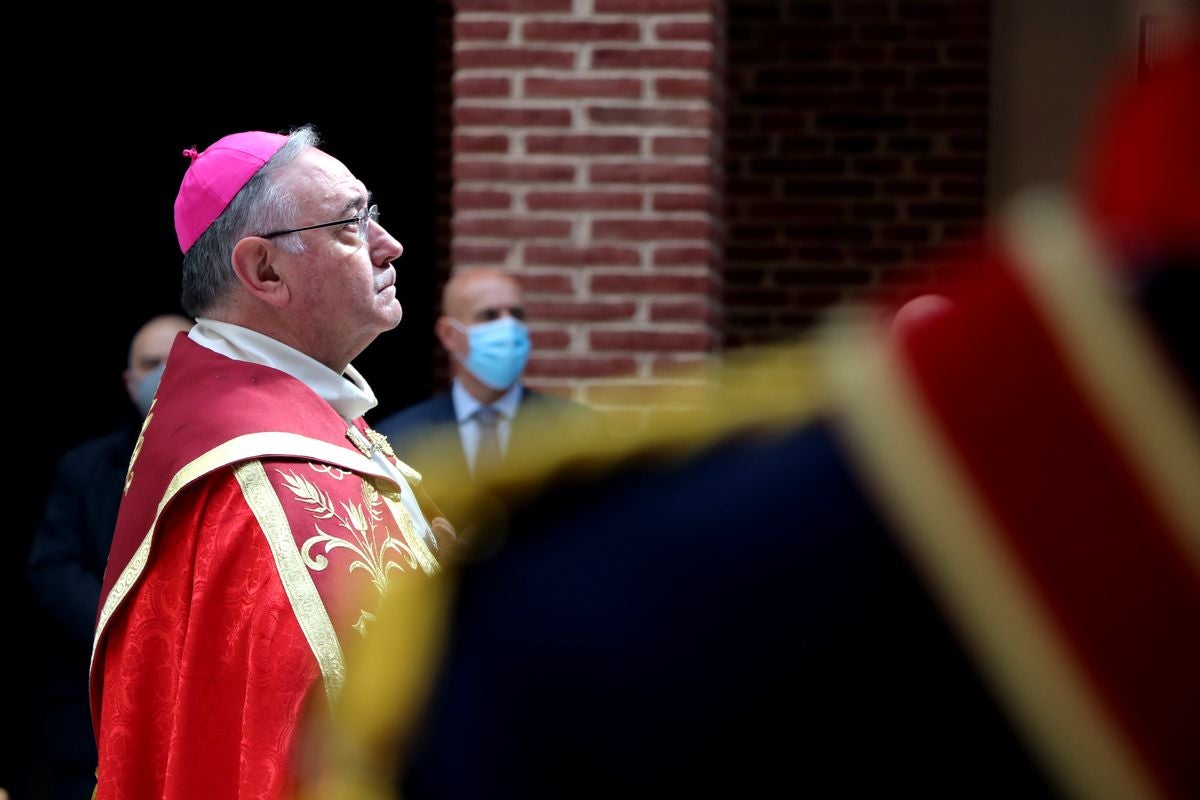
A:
x,y
348,393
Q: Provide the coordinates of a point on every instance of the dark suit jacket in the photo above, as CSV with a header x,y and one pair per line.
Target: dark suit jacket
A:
x,y
424,435
66,564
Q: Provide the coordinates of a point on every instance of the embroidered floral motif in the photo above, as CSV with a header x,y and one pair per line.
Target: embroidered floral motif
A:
x,y
337,473
366,533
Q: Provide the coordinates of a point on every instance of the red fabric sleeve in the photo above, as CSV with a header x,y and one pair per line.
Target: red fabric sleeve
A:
x,y
207,662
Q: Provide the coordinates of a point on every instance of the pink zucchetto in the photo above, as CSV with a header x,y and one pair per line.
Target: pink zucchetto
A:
x,y
216,176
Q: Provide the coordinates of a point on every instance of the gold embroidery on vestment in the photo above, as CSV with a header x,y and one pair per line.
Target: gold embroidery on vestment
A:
x,y
297,583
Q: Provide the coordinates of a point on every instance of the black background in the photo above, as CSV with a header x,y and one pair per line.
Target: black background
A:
x,y
95,132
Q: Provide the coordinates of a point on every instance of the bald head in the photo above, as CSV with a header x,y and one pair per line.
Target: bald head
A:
x,y
150,347
482,295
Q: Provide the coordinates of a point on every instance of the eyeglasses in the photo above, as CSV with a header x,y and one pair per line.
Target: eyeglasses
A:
x,y
363,220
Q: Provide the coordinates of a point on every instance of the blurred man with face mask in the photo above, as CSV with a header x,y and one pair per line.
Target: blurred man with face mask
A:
x,y
67,559
483,329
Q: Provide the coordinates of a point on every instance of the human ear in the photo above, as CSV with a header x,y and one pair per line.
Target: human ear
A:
x,y
254,264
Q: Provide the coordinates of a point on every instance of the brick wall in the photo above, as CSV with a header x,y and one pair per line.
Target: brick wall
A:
x,y
658,203
857,136
586,161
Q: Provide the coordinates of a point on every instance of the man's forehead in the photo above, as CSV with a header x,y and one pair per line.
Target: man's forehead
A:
x,y
318,177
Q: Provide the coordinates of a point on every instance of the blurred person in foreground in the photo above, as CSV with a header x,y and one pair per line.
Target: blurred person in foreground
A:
x,y
958,557
483,328
262,519
66,564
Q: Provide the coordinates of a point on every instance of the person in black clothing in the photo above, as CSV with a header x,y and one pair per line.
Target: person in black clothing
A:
x,y
66,564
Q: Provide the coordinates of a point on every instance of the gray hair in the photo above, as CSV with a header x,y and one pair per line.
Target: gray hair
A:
x,y
261,206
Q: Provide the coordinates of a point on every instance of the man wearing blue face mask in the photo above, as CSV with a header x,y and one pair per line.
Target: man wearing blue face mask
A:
x,y
483,329
66,564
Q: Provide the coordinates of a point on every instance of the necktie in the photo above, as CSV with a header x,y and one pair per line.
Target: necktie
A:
x,y
488,455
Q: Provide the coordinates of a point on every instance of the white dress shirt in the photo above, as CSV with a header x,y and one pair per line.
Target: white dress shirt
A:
x,y
465,406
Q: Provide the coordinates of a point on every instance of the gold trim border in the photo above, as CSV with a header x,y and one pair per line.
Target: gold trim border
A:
x,y
297,581
241,448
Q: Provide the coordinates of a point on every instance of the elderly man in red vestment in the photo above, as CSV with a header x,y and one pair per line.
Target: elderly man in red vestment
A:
x,y
262,519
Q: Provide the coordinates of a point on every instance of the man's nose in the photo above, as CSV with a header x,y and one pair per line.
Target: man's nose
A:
x,y
385,248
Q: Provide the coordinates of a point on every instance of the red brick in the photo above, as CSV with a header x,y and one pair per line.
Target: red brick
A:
x,y
482,87
682,146
545,283
669,117
550,339
583,144
467,30
510,227
518,171
487,143
641,340
552,255
475,199
684,88
583,201
479,254
580,311
684,31
691,311
623,88
683,256
466,6
497,116
651,58
581,32
652,6
651,229
626,282
650,173
511,58
595,367
683,201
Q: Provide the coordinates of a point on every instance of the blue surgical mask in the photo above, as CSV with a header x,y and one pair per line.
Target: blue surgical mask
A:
x,y
498,351
147,385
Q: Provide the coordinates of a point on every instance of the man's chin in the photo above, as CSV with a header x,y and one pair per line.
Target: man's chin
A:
x,y
391,314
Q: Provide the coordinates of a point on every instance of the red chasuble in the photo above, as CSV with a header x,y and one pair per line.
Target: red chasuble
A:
x,y
254,538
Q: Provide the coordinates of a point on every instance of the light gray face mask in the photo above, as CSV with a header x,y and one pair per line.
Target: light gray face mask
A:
x,y
143,393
